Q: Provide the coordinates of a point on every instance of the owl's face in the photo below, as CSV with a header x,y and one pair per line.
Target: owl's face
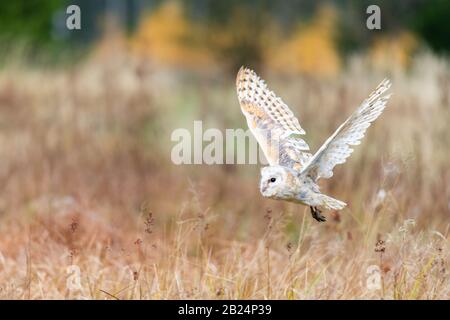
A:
x,y
273,181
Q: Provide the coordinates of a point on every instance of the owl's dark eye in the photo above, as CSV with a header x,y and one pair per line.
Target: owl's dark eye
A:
x,y
273,179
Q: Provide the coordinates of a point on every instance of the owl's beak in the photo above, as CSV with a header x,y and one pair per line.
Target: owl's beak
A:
x,y
263,188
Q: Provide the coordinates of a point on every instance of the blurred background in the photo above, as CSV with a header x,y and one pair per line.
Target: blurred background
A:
x,y
86,177
205,33
299,36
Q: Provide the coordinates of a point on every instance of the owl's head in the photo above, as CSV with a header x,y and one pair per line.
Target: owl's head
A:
x,y
273,181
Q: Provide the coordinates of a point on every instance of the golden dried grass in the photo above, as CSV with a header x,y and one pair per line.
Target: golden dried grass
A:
x,y
87,187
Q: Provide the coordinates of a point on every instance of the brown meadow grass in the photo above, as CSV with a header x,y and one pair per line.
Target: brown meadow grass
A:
x,y
87,188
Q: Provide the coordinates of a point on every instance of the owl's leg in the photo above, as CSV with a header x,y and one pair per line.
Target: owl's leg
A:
x,y
315,212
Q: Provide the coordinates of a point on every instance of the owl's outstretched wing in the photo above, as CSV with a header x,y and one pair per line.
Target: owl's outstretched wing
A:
x,y
271,121
337,148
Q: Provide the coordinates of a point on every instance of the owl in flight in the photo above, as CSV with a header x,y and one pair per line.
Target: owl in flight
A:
x,y
293,172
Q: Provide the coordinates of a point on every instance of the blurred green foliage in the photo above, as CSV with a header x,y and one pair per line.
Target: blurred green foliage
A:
x,y
432,24
30,19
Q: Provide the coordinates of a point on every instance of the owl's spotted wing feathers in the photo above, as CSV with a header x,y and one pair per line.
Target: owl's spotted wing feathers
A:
x,y
271,121
338,147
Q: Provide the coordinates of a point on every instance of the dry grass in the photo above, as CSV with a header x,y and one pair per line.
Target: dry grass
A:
x,y
86,184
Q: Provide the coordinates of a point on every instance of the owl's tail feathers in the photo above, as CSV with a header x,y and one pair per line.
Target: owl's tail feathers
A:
x,y
331,203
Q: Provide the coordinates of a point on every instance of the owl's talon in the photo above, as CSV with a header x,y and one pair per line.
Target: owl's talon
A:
x,y
315,212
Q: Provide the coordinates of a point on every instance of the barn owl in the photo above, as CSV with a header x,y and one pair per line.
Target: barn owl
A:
x,y
293,172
